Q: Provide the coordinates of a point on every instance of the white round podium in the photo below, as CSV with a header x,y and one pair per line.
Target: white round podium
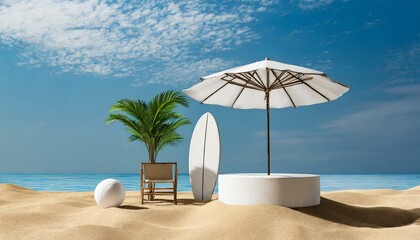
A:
x,y
284,189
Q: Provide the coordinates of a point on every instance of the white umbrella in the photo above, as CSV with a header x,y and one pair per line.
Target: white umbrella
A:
x,y
266,84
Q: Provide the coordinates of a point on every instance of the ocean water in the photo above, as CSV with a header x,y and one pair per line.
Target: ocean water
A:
x,y
88,182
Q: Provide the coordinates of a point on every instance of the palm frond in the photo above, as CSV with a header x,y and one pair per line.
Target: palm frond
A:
x,y
130,123
134,108
165,103
154,123
169,139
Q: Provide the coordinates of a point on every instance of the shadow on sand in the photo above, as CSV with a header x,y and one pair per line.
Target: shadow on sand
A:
x,y
181,201
372,217
132,207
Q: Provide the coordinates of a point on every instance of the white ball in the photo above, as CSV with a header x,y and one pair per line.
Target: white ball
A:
x,y
109,193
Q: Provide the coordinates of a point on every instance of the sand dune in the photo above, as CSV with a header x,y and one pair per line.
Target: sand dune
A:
x,y
374,214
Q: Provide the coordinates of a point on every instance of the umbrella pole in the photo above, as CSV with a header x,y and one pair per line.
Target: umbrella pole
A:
x,y
267,99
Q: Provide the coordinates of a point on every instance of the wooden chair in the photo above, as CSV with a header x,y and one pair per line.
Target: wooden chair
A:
x,y
151,173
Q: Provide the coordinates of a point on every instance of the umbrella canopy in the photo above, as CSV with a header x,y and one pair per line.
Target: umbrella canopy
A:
x,y
266,84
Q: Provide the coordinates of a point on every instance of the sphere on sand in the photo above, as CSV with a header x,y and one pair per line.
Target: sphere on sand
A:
x,y
109,193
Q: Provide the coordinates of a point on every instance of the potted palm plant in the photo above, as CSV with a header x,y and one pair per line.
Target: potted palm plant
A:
x,y
154,123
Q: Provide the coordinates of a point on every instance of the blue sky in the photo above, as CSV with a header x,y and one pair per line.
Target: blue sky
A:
x,y
64,63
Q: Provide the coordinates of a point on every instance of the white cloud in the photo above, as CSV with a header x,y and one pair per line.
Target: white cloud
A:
x,y
320,64
397,118
373,23
179,72
121,38
407,90
403,64
312,4
406,58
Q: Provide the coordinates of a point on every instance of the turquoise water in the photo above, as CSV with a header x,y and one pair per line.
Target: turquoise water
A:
x,y
88,182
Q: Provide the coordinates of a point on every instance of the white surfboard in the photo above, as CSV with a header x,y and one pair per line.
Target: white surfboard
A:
x,y
204,157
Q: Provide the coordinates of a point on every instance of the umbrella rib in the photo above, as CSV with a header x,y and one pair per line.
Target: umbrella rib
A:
x,y
297,82
277,80
282,80
248,80
277,77
217,89
233,83
343,85
288,78
259,81
243,78
239,94
312,88
241,85
285,82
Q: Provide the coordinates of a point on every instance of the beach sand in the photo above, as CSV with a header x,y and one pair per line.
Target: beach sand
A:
x,y
372,214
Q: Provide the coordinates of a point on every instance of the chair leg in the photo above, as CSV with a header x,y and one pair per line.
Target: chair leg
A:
x,y
175,197
142,195
152,195
141,183
149,194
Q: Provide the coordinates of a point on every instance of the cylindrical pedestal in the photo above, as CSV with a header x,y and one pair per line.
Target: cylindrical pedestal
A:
x,y
289,190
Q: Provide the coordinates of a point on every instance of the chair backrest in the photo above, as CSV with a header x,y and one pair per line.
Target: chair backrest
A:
x,y
158,171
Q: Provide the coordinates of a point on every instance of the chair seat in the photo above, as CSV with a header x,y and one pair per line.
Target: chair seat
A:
x,y
158,181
